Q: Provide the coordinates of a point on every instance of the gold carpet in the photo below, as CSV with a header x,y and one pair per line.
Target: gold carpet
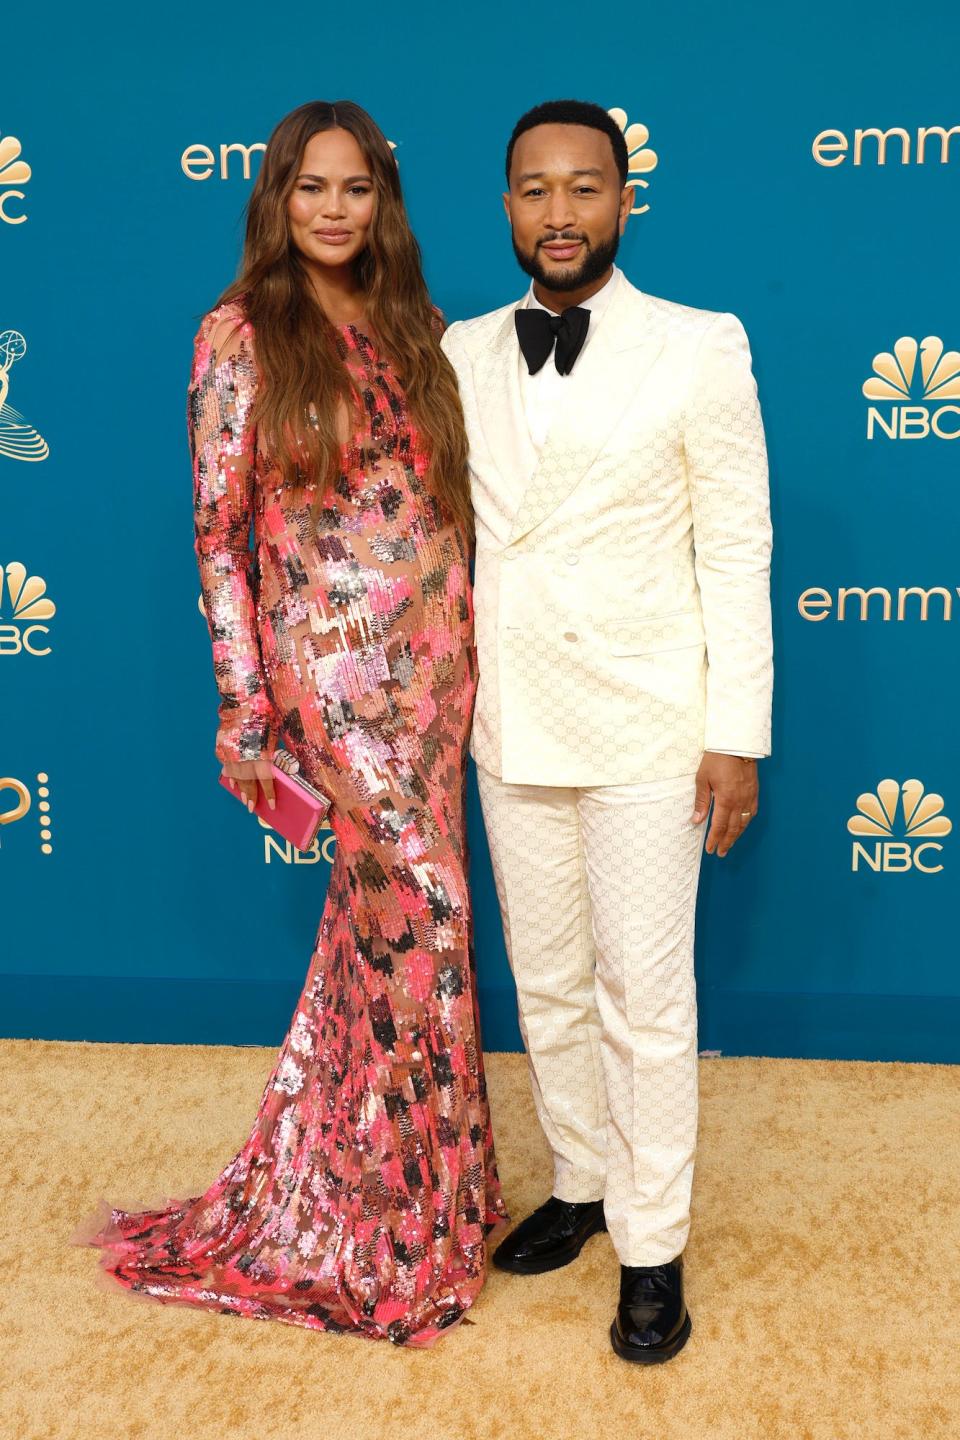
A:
x,y
823,1271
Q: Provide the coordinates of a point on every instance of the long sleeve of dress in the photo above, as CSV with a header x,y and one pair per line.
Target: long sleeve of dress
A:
x,y
222,445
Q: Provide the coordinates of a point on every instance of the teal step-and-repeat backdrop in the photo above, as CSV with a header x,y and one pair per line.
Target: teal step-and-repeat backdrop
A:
x,y
798,166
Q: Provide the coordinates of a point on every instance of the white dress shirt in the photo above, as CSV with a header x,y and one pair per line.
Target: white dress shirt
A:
x,y
542,392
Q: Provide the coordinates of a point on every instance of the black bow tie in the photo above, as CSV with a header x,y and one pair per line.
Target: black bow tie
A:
x,y
537,329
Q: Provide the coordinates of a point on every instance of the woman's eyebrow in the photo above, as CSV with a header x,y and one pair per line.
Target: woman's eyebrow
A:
x,y
349,180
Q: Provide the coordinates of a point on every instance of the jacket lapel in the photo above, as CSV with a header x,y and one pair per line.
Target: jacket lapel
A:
x,y
604,381
501,413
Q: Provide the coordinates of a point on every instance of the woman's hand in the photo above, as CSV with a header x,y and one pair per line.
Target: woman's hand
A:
x,y
245,775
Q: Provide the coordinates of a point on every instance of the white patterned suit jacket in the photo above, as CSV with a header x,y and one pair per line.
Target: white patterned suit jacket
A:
x,y
622,575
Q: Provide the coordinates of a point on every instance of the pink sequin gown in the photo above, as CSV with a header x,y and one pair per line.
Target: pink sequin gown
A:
x,y
361,1200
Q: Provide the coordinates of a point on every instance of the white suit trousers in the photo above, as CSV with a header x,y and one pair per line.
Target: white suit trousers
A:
x,y
597,889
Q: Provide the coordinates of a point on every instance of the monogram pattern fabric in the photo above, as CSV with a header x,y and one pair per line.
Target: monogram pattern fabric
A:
x,y
622,578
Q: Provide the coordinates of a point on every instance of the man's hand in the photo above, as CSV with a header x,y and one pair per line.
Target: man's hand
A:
x,y
735,788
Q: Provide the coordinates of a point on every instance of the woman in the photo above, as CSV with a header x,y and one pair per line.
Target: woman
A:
x,y
322,407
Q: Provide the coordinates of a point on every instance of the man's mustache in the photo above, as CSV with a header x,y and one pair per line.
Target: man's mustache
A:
x,y
561,235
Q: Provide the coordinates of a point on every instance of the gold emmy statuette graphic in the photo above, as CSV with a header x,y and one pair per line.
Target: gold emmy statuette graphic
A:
x,y
916,394
641,160
29,603
13,172
18,439
922,820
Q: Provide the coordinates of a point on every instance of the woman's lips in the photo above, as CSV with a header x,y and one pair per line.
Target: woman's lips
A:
x,y
333,237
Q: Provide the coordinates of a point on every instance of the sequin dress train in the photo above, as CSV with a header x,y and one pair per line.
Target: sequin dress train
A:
x,y
361,1200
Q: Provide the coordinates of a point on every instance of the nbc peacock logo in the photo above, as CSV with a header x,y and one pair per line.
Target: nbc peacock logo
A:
x,y
18,439
14,172
896,810
640,158
916,384
23,597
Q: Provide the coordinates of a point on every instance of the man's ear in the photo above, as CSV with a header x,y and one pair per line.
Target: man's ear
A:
x,y
506,203
627,199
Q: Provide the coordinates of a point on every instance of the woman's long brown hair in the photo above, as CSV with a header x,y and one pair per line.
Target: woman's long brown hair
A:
x,y
302,373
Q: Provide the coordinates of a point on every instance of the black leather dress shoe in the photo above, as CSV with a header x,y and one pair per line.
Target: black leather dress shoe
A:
x,y
652,1323
552,1236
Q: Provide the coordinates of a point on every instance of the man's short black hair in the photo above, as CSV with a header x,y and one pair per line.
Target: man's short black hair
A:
x,y
572,112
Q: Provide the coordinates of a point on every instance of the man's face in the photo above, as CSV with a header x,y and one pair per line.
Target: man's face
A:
x,y
566,206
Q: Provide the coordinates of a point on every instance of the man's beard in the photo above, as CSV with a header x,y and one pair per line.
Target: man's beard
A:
x,y
597,260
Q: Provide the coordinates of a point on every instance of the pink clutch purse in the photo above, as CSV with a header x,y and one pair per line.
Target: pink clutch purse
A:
x,y
301,809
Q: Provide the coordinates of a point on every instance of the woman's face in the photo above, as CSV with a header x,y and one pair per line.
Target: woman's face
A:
x,y
332,201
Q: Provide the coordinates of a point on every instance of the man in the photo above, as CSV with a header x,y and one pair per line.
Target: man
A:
x,y
619,477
